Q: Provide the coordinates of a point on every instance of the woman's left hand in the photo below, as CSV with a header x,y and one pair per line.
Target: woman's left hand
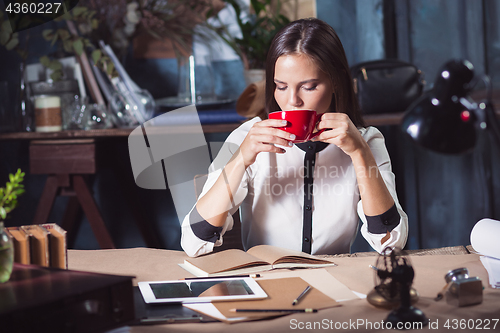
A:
x,y
340,131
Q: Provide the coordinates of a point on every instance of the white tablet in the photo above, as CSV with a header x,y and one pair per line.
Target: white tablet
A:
x,y
201,290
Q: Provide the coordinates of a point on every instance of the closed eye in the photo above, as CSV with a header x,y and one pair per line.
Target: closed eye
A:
x,y
311,88
281,88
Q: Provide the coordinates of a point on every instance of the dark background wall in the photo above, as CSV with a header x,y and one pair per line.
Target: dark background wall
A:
x,y
443,195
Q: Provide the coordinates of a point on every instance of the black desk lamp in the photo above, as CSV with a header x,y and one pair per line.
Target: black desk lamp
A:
x,y
445,118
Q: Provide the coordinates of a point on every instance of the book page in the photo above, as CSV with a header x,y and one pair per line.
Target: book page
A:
x,y
278,255
225,261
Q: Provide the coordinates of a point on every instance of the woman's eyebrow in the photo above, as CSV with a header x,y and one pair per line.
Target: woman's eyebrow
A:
x,y
301,82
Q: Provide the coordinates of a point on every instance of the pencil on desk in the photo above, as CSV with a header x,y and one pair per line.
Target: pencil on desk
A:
x,y
274,310
295,301
223,277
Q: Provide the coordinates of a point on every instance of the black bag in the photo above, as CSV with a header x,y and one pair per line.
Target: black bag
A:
x,y
386,86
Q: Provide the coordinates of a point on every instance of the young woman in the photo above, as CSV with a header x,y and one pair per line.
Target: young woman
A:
x,y
308,196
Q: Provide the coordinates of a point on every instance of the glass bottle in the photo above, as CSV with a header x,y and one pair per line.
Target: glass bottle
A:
x,y
6,255
25,112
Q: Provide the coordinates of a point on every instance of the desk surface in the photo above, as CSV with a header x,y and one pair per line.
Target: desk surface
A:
x,y
154,264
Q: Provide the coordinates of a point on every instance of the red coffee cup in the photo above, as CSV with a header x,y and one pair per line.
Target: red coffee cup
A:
x,y
299,122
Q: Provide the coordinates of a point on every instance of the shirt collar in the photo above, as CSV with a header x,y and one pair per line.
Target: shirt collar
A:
x,y
315,146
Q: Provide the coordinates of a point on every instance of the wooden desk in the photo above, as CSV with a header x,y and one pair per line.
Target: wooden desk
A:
x,y
152,264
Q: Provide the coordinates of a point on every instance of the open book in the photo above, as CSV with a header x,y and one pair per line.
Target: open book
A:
x,y
257,259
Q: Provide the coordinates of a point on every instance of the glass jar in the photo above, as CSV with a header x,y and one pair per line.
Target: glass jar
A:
x,y
67,90
6,255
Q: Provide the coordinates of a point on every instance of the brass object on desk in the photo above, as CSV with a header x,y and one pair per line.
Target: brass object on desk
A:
x,y
377,300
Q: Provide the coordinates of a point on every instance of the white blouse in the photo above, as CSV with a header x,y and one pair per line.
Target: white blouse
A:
x,y
271,199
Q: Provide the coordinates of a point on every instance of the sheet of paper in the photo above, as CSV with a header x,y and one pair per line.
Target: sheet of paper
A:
x,y
318,278
210,310
492,265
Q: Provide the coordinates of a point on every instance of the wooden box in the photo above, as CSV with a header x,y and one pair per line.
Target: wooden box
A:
x,y
41,299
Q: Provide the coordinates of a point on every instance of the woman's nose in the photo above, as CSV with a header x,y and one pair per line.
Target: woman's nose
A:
x,y
294,99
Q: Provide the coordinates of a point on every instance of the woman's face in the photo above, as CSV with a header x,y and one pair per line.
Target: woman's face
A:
x,y
300,84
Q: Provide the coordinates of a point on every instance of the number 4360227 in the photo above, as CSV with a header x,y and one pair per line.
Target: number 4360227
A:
x,y
471,324
33,8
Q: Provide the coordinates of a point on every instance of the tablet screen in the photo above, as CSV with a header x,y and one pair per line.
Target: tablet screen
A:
x,y
200,290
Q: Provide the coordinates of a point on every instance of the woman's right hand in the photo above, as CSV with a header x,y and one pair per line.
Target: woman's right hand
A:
x,y
262,137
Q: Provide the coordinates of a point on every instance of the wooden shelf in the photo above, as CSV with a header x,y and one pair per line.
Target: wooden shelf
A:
x,y
372,120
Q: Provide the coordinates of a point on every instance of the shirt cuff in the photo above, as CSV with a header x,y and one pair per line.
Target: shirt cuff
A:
x,y
381,224
202,229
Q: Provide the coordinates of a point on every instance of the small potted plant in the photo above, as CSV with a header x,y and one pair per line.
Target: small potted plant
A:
x,y
8,201
262,23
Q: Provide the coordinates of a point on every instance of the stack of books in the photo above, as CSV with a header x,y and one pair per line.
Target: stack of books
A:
x,y
43,245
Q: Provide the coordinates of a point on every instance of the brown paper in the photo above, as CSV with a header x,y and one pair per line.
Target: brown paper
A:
x,y
281,293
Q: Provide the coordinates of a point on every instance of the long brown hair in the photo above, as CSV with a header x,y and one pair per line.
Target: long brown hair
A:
x,y
320,42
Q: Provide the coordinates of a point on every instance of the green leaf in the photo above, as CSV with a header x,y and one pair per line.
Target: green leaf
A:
x,y
4,37
77,11
45,61
258,6
65,16
3,213
78,46
22,53
56,76
47,34
12,44
96,55
68,46
6,27
94,23
55,65
64,34
109,69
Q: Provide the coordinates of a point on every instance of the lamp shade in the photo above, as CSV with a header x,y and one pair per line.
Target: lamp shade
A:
x,y
438,120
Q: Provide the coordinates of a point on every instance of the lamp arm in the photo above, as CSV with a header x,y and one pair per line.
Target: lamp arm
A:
x,y
484,111
492,122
